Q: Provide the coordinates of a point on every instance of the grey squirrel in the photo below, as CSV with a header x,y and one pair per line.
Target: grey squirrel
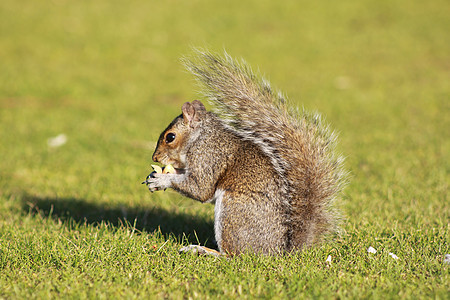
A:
x,y
271,170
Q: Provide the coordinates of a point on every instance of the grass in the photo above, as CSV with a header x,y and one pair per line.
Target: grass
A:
x,y
75,222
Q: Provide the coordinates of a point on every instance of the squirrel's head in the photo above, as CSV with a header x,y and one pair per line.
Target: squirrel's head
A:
x,y
171,147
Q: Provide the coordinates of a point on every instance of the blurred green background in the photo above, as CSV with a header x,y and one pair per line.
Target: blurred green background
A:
x,y
108,75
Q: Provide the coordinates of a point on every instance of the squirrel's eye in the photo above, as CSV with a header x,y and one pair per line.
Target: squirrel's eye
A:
x,y
170,137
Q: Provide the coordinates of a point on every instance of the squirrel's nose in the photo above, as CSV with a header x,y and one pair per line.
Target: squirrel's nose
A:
x,y
155,157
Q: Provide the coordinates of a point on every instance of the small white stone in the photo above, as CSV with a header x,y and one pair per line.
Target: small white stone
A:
x,y
57,141
371,250
447,259
393,255
328,259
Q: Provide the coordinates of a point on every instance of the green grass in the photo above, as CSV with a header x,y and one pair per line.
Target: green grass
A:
x,y
75,222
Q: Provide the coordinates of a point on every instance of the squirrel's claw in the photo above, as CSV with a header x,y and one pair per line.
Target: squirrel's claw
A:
x,y
158,181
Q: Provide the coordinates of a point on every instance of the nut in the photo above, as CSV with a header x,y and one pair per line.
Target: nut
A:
x,y
169,169
157,169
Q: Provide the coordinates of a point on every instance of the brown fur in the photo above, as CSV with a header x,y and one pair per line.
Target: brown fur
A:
x,y
273,170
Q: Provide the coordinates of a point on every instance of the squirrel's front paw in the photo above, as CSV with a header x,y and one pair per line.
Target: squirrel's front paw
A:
x,y
158,181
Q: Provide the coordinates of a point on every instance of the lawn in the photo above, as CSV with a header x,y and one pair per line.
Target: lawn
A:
x,y
86,87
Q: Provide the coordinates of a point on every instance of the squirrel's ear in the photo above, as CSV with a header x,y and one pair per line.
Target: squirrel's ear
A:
x,y
192,112
198,105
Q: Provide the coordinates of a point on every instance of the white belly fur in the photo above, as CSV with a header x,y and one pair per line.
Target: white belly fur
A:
x,y
218,211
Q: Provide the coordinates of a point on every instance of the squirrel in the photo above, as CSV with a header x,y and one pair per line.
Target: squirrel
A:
x,y
271,170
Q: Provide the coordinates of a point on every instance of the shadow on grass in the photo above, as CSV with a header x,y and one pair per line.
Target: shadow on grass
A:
x,y
148,219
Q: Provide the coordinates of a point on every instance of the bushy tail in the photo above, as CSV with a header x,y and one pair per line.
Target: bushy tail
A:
x,y
300,145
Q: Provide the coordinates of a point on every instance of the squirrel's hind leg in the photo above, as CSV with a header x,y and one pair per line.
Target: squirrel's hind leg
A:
x,y
200,250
